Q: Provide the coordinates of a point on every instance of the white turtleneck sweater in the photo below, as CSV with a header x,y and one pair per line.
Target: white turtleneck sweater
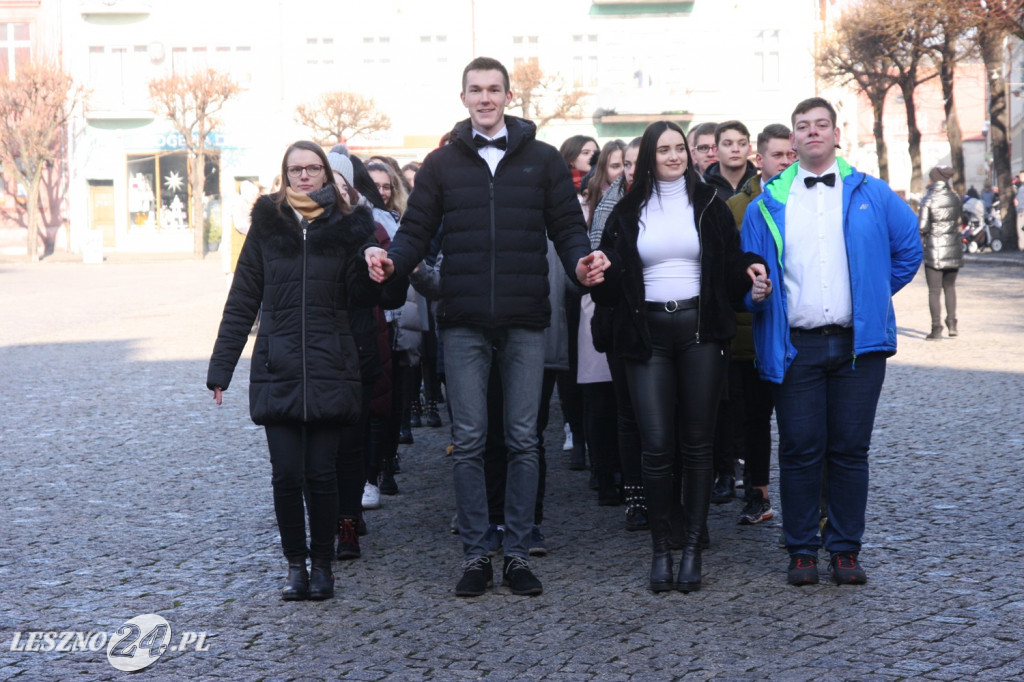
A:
x,y
668,244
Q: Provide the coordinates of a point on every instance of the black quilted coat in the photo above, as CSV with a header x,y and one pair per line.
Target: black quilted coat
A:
x,y
305,366
496,228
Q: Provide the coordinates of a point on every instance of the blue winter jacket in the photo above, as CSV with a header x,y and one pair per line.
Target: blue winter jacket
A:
x,y
883,249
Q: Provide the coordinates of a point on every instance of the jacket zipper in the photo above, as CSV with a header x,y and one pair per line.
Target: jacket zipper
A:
x,y
700,259
494,236
305,414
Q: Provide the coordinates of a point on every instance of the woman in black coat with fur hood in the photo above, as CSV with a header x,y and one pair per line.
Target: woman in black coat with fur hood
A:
x,y
300,270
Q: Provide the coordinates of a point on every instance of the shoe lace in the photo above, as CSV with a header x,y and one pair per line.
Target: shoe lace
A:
x,y
516,563
478,563
803,562
347,532
846,562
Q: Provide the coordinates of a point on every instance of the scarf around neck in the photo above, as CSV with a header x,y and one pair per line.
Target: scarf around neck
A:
x,y
311,206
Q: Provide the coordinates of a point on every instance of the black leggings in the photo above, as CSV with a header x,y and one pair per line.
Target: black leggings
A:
x,y
679,385
302,457
941,282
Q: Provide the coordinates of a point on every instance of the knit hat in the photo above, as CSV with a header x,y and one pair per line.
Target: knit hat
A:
x,y
940,174
341,164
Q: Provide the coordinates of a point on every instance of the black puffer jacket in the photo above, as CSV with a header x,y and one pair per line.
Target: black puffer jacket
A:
x,y
305,367
723,278
939,223
495,269
713,176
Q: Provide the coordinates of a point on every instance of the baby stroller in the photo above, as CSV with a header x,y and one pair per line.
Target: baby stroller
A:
x,y
983,229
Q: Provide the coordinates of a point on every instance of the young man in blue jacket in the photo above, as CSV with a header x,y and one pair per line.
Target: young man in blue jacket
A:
x,y
501,194
840,243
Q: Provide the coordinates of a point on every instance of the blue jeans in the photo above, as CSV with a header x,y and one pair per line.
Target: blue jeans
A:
x,y
825,408
468,353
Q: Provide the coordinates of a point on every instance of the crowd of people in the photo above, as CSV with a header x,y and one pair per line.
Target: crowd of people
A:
x,y
676,290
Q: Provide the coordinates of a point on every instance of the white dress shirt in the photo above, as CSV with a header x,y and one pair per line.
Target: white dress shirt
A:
x,y
817,276
492,155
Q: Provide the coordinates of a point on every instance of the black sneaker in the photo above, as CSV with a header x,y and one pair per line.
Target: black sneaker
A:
x,y
846,570
724,490
803,570
519,577
757,509
477,576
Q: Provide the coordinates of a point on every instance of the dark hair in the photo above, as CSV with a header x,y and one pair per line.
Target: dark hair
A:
x,y
703,129
363,183
282,196
644,182
731,125
571,148
813,103
599,175
772,131
485,64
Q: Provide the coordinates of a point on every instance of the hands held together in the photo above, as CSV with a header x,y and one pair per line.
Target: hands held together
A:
x,y
590,269
381,267
762,286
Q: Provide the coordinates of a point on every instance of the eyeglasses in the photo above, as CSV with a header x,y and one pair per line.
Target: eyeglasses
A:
x,y
312,170
384,188
705,148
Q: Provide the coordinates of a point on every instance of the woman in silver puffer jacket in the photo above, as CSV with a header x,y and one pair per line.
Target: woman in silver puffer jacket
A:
x,y
939,222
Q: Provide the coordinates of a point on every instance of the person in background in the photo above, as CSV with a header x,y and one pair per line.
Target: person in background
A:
x,y
577,151
746,419
676,272
627,434
301,263
939,223
733,168
702,143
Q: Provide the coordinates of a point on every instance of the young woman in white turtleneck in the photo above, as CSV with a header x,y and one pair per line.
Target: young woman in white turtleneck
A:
x,y
676,271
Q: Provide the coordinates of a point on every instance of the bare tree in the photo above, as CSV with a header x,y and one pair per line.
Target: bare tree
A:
x,y
541,98
994,21
192,102
858,52
336,116
35,108
948,46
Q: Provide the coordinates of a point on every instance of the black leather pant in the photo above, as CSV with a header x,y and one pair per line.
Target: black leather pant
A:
x,y
679,386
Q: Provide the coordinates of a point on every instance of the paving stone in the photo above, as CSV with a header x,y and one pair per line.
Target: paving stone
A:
x,y
127,491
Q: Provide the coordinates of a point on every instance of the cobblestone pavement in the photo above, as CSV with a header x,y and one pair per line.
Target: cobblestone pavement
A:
x,y
126,491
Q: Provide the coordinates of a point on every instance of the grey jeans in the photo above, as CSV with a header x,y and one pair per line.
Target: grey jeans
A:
x,y
468,353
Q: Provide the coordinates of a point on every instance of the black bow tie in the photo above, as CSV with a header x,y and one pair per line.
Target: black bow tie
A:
x,y
827,179
481,142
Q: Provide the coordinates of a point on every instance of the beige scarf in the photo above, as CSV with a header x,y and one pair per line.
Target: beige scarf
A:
x,y
304,204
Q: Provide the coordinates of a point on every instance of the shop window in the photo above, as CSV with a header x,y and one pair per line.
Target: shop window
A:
x,y
159,190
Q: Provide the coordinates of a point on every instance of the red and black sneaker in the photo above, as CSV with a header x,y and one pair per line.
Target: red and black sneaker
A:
x,y
803,570
348,539
846,570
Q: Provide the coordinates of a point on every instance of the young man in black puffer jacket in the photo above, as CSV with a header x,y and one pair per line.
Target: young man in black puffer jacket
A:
x,y
501,194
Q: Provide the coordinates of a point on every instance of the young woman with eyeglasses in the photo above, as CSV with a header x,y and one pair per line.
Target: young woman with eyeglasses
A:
x,y
301,264
676,272
390,186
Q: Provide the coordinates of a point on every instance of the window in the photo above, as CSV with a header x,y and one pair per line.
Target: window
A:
x,y
120,75
424,39
441,39
15,48
766,51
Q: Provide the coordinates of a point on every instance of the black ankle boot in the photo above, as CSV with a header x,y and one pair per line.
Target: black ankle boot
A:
x,y
321,580
415,414
636,508
688,579
951,325
659,504
296,585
